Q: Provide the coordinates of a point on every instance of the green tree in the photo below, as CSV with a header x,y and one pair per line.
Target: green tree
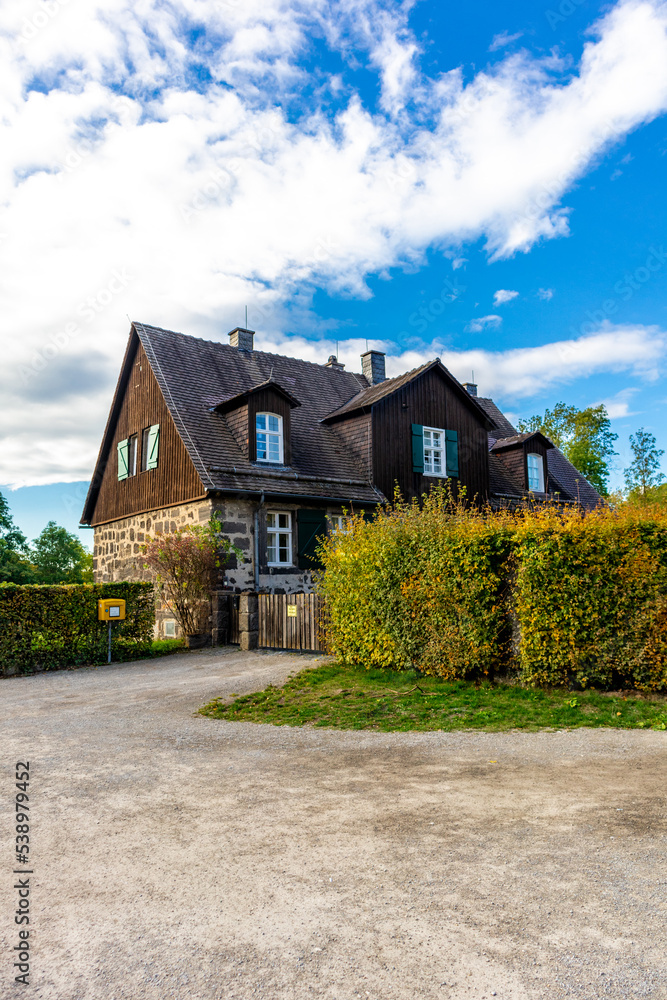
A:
x,y
59,557
584,436
643,476
15,566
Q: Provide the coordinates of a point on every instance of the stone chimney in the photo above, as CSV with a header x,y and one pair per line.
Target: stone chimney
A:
x,y
241,339
372,366
333,362
470,388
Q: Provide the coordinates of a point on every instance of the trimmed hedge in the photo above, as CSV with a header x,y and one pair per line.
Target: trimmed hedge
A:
x,y
557,596
51,627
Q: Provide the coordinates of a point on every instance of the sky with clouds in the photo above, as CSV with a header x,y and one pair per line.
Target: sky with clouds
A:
x,y
479,182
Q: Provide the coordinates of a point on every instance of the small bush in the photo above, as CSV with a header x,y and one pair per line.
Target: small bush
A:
x,y
50,627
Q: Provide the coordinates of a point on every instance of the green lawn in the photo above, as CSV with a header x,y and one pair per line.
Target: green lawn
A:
x,y
343,697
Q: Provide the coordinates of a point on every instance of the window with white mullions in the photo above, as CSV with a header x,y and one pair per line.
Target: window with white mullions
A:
x,y
269,437
536,473
278,538
434,449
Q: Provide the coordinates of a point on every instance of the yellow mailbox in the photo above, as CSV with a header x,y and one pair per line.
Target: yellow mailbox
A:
x,y
111,610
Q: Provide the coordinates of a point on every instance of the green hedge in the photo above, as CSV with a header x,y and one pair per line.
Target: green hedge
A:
x,y
50,627
557,596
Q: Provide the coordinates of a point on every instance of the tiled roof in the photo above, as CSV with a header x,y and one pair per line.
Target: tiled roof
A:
x,y
195,375
564,478
368,396
509,442
498,419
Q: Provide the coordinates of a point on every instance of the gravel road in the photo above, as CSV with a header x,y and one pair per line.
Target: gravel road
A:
x,y
179,856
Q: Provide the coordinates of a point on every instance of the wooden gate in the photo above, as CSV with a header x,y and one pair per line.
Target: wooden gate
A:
x,y
301,628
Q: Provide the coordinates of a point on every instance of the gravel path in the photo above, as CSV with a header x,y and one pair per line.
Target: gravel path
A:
x,y
179,856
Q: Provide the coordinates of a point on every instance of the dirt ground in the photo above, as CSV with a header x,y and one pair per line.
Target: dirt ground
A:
x,y
181,856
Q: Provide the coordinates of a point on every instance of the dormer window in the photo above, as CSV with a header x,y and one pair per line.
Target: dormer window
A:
x,y
535,473
269,437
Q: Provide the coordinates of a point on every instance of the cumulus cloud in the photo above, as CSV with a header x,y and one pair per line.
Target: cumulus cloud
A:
x,y
546,294
482,322
618,406
171,144
503,295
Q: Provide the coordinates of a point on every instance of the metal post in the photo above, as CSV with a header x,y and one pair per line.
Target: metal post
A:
x,y
109,658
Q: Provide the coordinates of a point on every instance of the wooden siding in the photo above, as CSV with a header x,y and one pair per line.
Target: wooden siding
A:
x,y
270,401
536,448
237,421
175,480
356,436
428,401
514,460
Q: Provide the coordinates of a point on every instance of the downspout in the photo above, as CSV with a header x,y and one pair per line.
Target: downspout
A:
x,y
256,559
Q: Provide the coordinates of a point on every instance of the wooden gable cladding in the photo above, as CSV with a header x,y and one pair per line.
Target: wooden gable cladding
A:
x,y
355,432
514,458
174,480
270,401
428,401
237,421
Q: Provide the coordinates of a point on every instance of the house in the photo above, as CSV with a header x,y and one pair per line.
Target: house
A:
x,y
279,448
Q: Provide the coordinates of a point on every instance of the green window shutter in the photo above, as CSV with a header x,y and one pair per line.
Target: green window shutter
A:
x,y
311,526
452,448
153,442
123,459
417,448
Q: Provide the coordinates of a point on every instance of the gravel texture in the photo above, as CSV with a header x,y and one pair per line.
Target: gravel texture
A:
x,y
181,856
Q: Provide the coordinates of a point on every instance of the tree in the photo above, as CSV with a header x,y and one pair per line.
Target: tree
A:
x,y
584,436
59,557
15,566
183,564
643,476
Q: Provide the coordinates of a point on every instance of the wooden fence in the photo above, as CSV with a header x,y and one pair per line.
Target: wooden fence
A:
x,y
300,628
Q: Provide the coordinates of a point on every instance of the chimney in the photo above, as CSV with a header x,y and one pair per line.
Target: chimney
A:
x,y
333,362
372,366
241,339
470,387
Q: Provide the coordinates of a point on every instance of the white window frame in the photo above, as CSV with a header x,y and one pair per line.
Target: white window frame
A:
x,y
273,531
277,435
132,446
336,524
429,463
171,634
539,468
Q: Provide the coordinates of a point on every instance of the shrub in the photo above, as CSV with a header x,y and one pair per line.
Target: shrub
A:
x,y
569,598
49,627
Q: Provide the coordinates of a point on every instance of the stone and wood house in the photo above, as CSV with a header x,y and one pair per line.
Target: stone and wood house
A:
x,y
280,448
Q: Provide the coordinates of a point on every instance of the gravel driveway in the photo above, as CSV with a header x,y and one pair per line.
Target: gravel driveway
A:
x,y
180,856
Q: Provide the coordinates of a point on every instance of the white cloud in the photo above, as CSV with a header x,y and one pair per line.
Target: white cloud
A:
x,y
546,294
482,322
503,295
618,406
503,39
118,155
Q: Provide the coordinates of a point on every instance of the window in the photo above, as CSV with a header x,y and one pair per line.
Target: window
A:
x,y
536,473
170,629
132,455
336,523
434,446
278,538
269,437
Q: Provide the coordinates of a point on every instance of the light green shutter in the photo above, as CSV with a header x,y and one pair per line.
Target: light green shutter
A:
x,y
452,448
153,442
123,459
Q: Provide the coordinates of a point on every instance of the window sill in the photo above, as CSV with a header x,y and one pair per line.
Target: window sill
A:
x,y
436,475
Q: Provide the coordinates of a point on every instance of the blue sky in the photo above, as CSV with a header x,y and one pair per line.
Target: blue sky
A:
x,y
483,182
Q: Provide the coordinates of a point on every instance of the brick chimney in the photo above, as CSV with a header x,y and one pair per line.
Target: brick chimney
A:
x,y
241,339
372,366
470,388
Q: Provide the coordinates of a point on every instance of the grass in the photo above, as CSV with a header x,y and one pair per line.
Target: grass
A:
x,y
344,697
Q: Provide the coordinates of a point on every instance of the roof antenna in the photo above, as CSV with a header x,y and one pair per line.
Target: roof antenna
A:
x,y
246,317
366,345
473,376
336,350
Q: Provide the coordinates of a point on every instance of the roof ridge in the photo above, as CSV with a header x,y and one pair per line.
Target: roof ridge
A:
x,y
268,354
